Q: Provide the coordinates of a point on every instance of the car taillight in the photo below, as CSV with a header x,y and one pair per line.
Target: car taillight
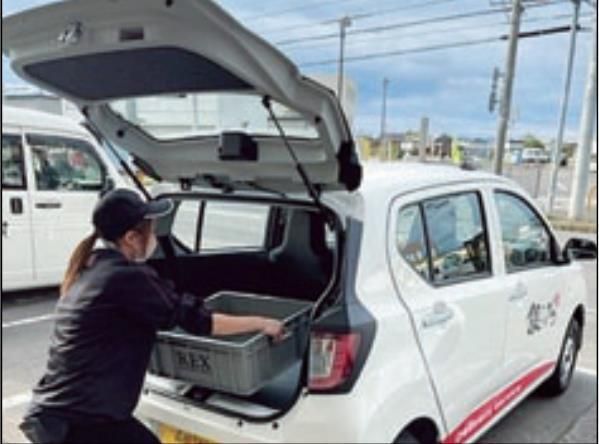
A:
x,y
332,359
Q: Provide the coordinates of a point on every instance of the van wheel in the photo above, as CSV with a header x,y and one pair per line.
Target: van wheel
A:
x,y
406,438
561,378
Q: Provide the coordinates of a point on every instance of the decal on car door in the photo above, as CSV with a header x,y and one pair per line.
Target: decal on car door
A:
x,y
543,315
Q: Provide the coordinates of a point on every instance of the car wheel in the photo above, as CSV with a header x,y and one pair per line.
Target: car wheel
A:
x,y
561,378
406,438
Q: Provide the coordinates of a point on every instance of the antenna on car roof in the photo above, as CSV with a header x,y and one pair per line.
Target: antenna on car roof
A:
x,y
312,190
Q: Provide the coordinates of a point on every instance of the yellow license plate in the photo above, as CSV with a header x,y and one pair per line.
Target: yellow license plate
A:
x,y
171,435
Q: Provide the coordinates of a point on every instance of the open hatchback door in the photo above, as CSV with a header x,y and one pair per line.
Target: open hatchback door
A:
x,y
187,91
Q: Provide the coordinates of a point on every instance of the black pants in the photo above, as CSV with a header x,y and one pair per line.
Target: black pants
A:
x,y
130,431
118,432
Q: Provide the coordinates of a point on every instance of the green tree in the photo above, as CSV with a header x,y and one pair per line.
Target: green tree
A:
x,y
531,141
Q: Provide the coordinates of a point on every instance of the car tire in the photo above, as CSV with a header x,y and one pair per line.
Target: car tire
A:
x,y
406,438
561,378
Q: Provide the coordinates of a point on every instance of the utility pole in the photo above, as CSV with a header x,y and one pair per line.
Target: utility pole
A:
x,y
424,127
510,71
559,141
344,23
384,111
587,129
383,134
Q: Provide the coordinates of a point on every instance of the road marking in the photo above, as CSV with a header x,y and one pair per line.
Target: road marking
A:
x,y
587,371
15,400
28,321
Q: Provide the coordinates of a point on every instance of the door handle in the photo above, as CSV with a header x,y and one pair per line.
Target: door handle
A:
x,y
16,205
4,228
519,293
440,315
50,205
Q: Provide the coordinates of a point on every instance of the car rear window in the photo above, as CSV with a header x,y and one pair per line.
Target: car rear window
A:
x,y
189,115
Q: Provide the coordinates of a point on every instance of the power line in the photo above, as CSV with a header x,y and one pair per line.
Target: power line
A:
x,y
416,50
359,16
304,6
438,47
420,22
377,39
377,29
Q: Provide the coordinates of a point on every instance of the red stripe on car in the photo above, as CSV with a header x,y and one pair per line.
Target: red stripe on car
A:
x,y
483,415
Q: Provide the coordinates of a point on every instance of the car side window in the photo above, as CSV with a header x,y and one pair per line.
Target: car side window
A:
x,y
13,163
410,239
234,226
458,240
64,164
526,241
185,223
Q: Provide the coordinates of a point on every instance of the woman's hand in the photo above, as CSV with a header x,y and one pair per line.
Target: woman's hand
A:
x,y
223,325
272,328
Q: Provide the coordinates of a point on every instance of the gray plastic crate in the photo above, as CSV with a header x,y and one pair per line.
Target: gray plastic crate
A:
x,y
239,364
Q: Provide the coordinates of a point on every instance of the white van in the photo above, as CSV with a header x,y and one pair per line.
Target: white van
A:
x,y
52,174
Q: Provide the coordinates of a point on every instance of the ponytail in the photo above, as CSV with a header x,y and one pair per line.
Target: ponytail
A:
x,y
77,262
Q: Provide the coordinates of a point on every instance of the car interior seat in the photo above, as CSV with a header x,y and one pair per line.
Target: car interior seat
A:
x,y
303,261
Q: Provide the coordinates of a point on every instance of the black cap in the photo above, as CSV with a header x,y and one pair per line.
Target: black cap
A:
x,y
121,210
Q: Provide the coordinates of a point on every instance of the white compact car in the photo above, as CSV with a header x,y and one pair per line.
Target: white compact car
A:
x,y
52,173
440,298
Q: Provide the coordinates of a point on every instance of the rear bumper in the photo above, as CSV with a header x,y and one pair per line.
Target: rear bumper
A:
x,y
313,419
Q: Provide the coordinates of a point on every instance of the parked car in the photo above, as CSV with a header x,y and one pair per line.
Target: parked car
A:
x,y
52,173
440,297
535,155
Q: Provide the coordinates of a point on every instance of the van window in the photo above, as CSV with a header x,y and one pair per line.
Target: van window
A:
x,y
411,239
65,164
526,240
458,240
13,163
234,226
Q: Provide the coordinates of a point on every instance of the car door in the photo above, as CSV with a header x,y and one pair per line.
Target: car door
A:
x,y
68,177
444,265
534,285
17,257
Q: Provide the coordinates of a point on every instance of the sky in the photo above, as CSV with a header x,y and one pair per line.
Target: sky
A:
x,y
451,86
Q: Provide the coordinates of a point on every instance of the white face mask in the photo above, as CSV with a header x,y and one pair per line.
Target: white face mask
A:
x,y
151,247
147,250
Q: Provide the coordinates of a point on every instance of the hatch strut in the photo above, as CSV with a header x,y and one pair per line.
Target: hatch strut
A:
x,y
312,191
91,127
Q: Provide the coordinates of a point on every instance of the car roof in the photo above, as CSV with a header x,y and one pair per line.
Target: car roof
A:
x,y
403,177
37,119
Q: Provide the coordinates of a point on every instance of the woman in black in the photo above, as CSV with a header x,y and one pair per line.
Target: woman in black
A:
x,y
110,309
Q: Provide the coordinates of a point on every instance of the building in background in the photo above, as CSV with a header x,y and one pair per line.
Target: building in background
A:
x,y
191,114
38,100
477,147
442,146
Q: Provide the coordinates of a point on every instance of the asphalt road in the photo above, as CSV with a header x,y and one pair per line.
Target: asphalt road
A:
x,y
26,328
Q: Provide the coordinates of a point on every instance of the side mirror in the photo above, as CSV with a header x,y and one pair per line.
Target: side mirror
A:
x,y
581,249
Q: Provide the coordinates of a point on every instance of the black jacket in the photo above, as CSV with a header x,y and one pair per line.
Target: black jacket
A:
x,y
105,328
